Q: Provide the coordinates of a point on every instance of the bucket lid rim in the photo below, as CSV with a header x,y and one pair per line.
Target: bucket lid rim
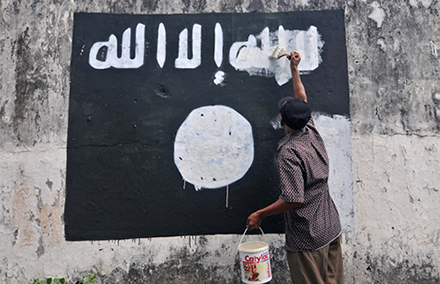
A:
x,y
259,249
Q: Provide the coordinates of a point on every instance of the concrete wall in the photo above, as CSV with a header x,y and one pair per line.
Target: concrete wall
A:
x,y
393,61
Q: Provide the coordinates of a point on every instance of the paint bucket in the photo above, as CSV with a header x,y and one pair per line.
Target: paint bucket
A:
x,y
254,261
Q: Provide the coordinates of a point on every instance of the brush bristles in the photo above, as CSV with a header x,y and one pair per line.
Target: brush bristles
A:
x,y
276,52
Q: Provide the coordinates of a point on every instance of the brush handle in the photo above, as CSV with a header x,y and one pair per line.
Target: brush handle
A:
x,y
284,53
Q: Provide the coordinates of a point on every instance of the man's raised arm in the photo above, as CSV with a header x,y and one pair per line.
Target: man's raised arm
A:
x,y
298,87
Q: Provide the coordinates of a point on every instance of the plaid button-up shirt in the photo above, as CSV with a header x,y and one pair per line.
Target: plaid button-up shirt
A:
x,y
303,169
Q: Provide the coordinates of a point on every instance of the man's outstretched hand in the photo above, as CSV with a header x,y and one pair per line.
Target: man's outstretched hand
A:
x,y
295,59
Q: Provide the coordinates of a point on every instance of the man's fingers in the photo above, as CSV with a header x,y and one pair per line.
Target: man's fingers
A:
x,y
250,225
253,221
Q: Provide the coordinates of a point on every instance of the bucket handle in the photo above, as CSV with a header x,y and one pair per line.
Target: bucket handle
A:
x,y
245,234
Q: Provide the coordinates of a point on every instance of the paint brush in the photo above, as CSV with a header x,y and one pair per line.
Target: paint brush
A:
x,y
277,52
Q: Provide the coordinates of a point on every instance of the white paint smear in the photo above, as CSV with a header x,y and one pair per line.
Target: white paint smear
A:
x,y
247,56
219,77
378,14
336,133
214,147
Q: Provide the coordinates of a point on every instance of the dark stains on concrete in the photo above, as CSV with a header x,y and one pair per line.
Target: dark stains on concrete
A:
x,y
284,4
383,269
435,111
23,90
389,71
197,6
15,237
232,6
227,6
16,4
150,5
109,6
34,4
191,266
2,108
256,6
49,183
28,81
433,11
40,250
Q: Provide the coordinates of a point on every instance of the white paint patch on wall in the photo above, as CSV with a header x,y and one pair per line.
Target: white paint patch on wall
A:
x,y
303,2
247,56
378,15
214,147
336,133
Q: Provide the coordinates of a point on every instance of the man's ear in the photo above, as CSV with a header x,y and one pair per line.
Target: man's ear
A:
x,y
281,119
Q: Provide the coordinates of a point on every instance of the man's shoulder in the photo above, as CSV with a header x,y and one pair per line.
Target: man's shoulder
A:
x,y
311,123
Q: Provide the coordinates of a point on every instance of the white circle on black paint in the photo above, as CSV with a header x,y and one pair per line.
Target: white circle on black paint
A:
x,y
214,147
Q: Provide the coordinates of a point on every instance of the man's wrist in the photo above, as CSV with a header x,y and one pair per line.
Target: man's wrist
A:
x,y
260,214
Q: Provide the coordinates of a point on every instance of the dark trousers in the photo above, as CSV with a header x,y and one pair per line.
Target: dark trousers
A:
x,y
323,266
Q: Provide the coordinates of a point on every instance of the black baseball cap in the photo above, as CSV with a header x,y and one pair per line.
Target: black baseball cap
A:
x,y
295,112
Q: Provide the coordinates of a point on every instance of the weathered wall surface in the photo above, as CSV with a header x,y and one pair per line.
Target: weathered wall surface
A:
x,y
393,61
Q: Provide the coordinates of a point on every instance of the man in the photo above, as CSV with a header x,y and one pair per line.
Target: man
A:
x,y
313,229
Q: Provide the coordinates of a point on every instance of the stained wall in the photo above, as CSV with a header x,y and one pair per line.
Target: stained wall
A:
x,y
392,50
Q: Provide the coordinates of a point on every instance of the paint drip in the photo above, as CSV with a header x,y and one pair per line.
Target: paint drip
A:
x,y
227,196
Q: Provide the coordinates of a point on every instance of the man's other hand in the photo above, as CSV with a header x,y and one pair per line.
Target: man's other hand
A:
x,y
254,221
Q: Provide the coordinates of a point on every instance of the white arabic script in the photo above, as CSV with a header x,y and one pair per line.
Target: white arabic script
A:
x,y
251,55
110,56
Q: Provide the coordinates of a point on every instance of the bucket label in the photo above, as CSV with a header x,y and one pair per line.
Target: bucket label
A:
x,y
256,259
256,267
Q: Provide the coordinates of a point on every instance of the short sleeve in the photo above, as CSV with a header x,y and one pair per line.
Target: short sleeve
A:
x,y
291,178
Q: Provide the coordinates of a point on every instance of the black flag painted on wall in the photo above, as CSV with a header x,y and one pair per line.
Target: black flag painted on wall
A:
x,y
173,120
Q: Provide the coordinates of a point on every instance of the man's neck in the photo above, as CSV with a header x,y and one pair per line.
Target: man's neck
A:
x,y
287,129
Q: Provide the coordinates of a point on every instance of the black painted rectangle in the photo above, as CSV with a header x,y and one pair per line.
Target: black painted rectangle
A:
x,y
122,181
